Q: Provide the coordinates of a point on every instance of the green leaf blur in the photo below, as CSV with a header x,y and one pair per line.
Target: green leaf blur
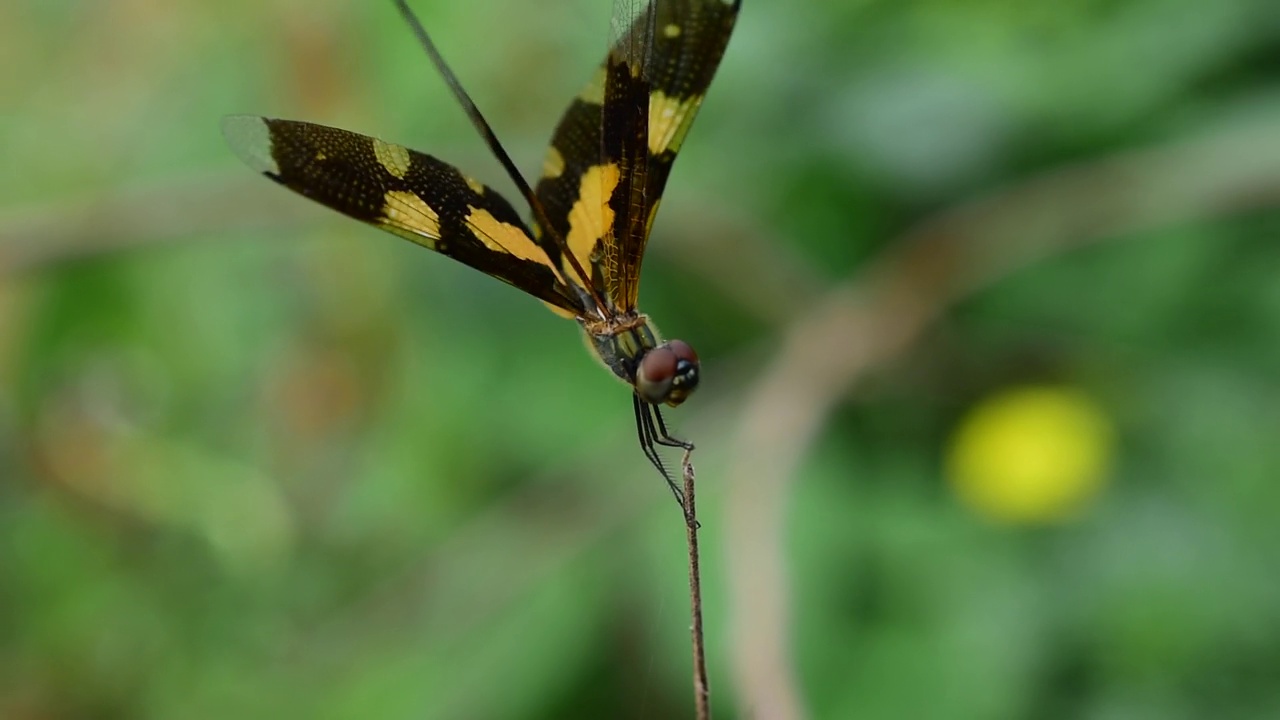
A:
x,y
257,460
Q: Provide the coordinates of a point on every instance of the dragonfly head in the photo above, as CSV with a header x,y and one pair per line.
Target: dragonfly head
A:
x,y
667,374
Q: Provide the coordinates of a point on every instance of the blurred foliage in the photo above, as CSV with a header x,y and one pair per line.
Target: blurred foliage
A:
x,y
296,468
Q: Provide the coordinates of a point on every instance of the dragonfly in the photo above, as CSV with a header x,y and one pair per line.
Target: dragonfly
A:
x,y
591,210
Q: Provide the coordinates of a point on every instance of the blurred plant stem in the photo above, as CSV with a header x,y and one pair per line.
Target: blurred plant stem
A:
x,y
877,315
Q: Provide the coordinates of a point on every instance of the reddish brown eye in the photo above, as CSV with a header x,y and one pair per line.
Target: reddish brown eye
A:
x,y
686,376
683,352
667,374
656,372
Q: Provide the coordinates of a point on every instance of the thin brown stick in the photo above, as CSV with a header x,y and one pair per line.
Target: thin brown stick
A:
x,y
701,689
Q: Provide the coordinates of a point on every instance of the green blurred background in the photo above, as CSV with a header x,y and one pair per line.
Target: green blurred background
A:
x,y
986,295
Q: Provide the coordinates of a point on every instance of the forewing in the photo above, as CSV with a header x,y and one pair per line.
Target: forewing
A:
x,y
625,145
413,195
613,150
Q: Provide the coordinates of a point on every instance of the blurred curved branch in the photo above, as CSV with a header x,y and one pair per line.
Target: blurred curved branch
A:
x,y
165,211
877,315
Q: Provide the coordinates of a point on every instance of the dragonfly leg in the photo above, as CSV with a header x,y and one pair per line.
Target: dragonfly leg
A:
x,y
651,434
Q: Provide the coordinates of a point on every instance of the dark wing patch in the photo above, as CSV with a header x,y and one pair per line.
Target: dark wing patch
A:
x,y
571,188
618,139
625,143
406,193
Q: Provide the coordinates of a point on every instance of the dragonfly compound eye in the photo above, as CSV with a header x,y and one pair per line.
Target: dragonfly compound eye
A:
x,y
667,373
685,380
655,375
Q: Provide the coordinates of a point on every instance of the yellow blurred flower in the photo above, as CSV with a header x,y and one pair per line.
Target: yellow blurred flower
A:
x,y
1031,455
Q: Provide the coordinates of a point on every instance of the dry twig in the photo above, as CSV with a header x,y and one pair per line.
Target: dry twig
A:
x,y
701,689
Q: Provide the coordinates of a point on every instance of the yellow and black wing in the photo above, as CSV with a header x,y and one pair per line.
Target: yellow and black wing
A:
x,y
612,152
406,193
